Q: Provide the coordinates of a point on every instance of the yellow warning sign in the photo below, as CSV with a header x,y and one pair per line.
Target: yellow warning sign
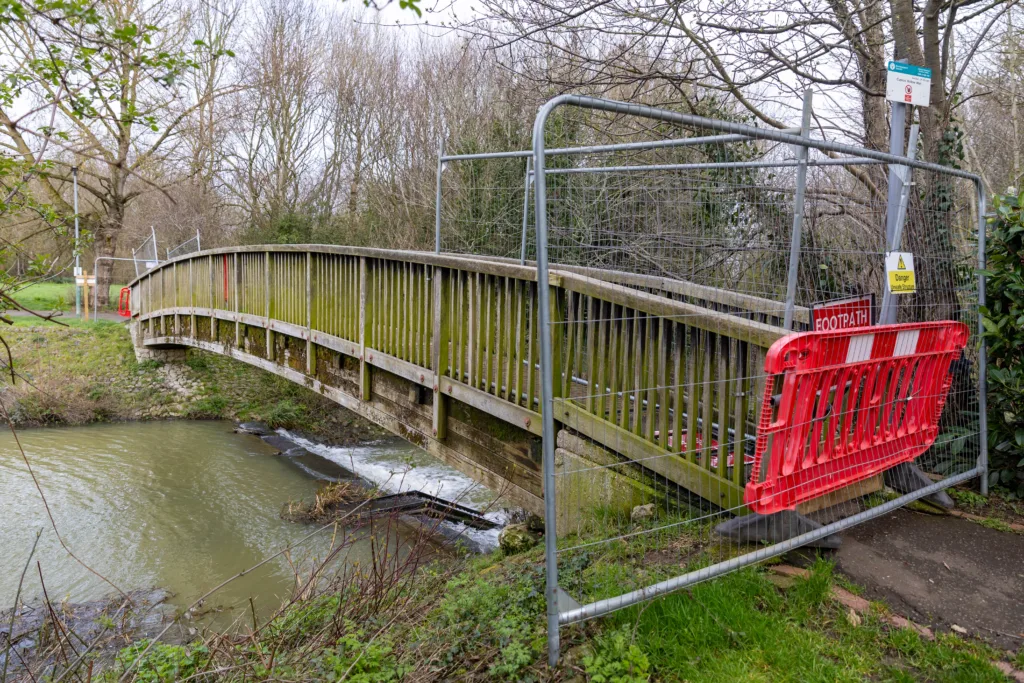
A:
x,y
899,272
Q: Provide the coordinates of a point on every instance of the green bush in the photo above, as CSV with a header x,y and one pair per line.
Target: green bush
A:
x,y
616,659
1004,334
163,663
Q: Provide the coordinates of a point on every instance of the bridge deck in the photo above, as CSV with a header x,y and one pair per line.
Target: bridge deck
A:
x,y
444,350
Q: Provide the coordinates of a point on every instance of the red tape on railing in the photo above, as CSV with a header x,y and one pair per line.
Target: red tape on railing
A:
x,y
840,407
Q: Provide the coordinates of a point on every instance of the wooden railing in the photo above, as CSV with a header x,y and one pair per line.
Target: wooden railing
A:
x,y
634,368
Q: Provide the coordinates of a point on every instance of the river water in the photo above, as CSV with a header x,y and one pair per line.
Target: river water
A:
x,y
181,506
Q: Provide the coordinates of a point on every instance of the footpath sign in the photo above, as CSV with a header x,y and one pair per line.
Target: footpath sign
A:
x,y
899,272
908,84
843,314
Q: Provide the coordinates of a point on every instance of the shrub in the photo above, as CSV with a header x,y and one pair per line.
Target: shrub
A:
x,y
163,663
615,659
1004,334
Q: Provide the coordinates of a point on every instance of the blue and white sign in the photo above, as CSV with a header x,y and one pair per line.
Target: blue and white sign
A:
x,y
908,84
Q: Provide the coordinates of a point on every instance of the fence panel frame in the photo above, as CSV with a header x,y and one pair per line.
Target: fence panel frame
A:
x,y
556,616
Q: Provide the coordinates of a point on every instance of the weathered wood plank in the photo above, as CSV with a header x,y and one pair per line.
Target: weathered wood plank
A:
x,y
635,448
696,316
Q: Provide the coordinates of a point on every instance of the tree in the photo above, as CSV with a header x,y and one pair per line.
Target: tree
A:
x,y
995,111
121,125
759,53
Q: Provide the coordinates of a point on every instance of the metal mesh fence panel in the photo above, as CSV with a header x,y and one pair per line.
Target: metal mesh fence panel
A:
x,y
189,246
146,256
675,410
482,201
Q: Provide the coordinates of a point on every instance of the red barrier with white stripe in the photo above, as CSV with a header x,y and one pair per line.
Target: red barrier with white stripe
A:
x,y
852,403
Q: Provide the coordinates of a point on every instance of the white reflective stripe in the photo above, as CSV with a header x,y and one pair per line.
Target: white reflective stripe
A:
x,y
860,348
906,343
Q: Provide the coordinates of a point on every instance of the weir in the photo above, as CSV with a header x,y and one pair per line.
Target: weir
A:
x,y
442,350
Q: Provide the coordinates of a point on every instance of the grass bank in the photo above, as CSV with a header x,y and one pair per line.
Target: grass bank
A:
x,y
55,296
87,372
483,620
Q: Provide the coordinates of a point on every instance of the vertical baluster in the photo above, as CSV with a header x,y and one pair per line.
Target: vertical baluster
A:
x,y
741,389
599,383
592,355
496,338
365,316
628,349
310,361
461,316
722,386
678,350
509,339
707,398
615,351
664,349
488,331
639,327
577,364
693,391
472,336
521,287
650,361
570,342
439,361
533,341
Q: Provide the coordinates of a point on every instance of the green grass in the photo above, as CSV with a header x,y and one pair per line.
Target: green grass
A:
x,y
80,372
742,628
49,296
485,622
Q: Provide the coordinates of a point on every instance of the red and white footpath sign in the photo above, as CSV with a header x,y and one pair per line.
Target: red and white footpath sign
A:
x,y
842,314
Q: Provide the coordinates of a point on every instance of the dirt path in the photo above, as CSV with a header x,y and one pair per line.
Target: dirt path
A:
x,y
941,571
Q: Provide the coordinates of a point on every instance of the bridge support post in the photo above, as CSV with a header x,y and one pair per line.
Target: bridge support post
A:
x,y
164,354
440,351
364,316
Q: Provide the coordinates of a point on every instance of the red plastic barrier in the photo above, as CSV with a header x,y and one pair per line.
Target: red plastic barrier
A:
x,y
124,302
853,403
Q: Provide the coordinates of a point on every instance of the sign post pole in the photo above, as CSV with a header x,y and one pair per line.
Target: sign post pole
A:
x,y
906,86
898,124
78,244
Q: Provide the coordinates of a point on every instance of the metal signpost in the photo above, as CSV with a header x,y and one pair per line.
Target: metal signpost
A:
x,y
78,245
906,86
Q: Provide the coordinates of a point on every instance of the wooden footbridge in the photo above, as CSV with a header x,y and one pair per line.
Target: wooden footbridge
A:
x,y
443,350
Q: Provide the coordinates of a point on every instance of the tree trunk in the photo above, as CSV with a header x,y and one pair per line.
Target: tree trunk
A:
x,y
105,245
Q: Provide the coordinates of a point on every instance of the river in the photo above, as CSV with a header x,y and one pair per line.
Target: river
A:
x,y
181,506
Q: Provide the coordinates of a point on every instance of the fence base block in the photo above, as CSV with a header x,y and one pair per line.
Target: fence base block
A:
x,y
908,477
773,528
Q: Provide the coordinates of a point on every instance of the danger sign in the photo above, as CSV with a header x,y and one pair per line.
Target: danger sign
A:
x,y
899,272
843,314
